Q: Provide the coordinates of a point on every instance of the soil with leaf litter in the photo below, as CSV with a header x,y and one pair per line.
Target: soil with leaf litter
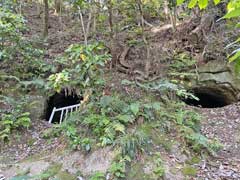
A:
x,y
224,125
220,123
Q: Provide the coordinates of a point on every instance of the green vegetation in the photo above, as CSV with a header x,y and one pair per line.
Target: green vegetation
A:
x,y
189,171
106,118
97,176
15,119
118,167
159,169
233,11
138,112
81,68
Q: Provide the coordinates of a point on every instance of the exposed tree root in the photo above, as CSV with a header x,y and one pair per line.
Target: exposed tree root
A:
x,y
122,58
123,66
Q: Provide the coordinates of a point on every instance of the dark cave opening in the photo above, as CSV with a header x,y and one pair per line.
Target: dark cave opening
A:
x,y
59,100
208,98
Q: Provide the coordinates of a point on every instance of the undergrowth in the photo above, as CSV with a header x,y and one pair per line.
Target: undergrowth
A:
x,y
14,118
127,125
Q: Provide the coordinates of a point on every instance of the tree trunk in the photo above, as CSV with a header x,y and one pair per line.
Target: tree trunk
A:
x,y
170,14
166,9
110,19
39,11
58,6
173,19
85,30
112,40
95,13
46,17
148,60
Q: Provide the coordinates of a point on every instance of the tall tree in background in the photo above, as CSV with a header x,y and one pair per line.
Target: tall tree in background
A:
x,y
58,6
110,23
148,60
46,17
170,12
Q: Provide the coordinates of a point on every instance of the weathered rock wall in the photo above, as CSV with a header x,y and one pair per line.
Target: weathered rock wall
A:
x,y
218,77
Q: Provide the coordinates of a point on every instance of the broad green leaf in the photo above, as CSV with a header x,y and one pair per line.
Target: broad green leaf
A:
x,y
156,106
237,67
237,25
25,114
135,108
125,118
192,3
216,1
7,122
148,106
119,127
202,4
232,14
179,2
235,56
127,158
238,39
106,101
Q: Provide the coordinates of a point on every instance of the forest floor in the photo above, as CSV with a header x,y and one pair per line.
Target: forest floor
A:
x,y
223,124
220,123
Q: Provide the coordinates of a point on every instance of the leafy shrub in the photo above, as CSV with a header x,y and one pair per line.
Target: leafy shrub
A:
x,y
182,62
170,89
105,120
189,126
159,170
131,143
118,167
21,62
11,26
81,67
13,119
98,176
17,54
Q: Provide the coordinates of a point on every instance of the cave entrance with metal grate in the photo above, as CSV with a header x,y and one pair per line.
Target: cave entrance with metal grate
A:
x,y
60,100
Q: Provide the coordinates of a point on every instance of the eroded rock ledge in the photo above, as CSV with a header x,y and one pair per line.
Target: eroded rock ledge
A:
x,y
219,79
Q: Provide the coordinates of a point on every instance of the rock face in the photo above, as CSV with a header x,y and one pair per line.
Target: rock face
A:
x,y
36,106
70,162
31,168
97,161
219,78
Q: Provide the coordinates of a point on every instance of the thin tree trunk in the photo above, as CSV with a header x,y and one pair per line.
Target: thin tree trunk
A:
x,y
46,17
85,30
58,6
82,24
95,12
173,19
110,18
166,8
170,14
148,60
112,39
89,22
39,4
